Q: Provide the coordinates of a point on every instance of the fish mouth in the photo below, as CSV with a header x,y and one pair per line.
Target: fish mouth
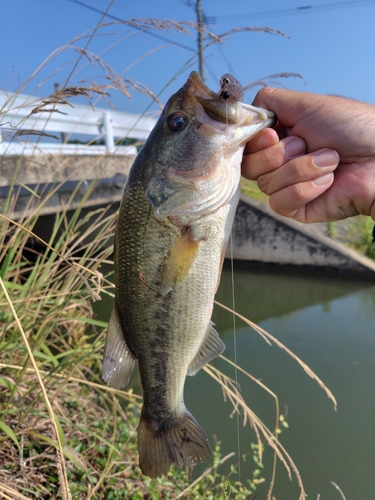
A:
x,y
221,110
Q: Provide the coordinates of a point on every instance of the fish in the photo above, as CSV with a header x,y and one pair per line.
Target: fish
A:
x,y
173,227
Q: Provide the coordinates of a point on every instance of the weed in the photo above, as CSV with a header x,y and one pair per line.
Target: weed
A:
x,y
361,235
355,232
250,189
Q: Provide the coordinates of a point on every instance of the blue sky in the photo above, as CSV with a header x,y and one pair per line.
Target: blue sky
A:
x,y
331,45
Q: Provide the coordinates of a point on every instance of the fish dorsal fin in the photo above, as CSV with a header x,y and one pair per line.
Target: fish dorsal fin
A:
x,y
212,346
118,362
180,260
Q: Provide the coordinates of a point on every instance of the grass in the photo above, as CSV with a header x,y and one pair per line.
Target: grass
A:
x,y
63,433
43,327
356,232
100,447
250,189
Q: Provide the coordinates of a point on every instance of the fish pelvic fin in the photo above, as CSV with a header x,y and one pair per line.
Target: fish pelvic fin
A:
x,y
181,441
118,362
211,347
180,260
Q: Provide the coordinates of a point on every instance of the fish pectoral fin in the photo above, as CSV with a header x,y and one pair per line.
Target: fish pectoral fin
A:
x,y
212,346
180,260
118,362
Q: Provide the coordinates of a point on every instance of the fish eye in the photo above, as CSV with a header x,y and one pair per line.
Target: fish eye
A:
x,y
176,122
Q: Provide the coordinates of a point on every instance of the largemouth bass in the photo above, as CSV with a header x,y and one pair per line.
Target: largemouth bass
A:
x,y
173,227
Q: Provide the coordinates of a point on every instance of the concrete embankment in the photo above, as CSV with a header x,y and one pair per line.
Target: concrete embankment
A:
x,y
261,235
58,180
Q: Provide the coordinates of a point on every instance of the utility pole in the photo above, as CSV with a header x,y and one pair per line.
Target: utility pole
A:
x,y
200,38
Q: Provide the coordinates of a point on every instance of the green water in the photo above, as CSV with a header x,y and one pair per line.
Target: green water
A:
x,y
330,324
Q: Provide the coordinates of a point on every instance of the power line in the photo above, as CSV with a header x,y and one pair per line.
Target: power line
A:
x,y
303,9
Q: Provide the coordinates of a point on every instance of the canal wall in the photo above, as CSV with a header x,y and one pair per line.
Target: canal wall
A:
x,y
50,183
261,235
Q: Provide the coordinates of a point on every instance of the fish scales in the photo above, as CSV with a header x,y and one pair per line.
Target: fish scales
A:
x,y
173,226
171,327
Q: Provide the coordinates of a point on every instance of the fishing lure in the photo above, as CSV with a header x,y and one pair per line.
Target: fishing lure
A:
x,y
230,88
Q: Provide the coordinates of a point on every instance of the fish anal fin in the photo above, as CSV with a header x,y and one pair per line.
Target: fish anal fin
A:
x,y
118,362
181,441
180,260
212,346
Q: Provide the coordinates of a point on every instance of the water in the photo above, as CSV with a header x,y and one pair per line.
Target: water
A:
x,y
330,324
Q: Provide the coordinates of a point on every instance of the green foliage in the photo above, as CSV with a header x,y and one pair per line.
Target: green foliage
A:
x,y
362,238
355,232
101,451
331,230
251,189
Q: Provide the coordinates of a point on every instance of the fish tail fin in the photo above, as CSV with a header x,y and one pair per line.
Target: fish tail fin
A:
x,y
181,441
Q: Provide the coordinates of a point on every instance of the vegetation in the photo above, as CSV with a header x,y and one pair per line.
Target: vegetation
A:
x,y
250,189
356,232
64,433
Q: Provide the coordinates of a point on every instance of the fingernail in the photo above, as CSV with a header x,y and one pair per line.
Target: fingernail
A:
x,y
324,179
295,147
326,158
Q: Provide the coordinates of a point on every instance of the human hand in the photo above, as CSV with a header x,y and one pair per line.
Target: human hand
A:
x,y
320,164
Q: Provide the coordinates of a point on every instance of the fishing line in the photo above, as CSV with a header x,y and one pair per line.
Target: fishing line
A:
x,y
233,314
235,356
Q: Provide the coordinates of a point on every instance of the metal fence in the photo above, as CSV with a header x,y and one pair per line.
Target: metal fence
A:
x,y
24,113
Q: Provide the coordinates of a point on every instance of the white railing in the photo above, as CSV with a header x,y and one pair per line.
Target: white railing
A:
x,y
16,113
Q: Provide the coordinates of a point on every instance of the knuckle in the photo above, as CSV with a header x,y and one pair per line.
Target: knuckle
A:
x,y
300,192
272,158
264,184
264,92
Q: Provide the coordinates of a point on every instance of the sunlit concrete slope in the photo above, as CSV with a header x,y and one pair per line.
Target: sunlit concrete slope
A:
x,y
259,234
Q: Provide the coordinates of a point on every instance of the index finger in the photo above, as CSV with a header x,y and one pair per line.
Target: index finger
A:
x,y
266,138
